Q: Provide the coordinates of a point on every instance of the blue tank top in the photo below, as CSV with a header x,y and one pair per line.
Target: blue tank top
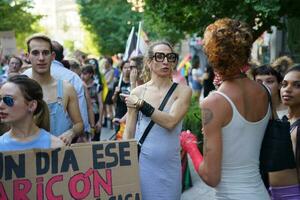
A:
x,y
59,119
42,141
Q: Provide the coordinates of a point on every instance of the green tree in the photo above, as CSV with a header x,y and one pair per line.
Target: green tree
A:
x,y
187,17
15,16
110,21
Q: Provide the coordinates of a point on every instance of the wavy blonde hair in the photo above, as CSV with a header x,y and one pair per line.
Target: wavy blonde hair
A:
x,y
227,43
146,72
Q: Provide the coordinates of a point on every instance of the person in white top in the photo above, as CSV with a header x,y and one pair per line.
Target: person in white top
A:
x,y
234,118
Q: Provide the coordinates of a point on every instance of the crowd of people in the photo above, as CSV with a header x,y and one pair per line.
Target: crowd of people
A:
x,y
48,101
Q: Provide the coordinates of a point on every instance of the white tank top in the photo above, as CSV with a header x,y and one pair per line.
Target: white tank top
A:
x,y
241,139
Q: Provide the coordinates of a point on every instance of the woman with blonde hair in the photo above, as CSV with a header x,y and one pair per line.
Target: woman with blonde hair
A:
x,y
159,160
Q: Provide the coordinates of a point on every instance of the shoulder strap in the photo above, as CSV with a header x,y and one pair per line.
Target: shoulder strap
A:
x,y
60,90
161,107
269,100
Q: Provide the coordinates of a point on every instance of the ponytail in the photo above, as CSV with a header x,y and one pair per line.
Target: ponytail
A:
x,y
42,115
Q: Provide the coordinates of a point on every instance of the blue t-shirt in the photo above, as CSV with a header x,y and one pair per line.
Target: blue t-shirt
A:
x,y
42,141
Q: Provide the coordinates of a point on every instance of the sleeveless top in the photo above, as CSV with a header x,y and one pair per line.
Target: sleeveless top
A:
x,y
42,141
159,162
94,89
59,118
241,140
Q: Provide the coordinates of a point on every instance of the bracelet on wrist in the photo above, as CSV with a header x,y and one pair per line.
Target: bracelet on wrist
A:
x,y
147,109
139,103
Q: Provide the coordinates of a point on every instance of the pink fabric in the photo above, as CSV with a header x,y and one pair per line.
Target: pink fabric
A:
x,y
188,143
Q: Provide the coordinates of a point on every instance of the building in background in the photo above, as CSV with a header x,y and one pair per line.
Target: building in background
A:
x,y
61,21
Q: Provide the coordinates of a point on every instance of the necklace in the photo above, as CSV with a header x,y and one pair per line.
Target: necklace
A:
x,y
237,76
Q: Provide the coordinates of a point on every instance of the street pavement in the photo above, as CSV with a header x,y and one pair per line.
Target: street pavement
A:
x,y
199,191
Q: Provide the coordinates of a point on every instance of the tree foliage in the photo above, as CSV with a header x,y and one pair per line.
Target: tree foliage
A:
x,y
15,16
187,17
110,21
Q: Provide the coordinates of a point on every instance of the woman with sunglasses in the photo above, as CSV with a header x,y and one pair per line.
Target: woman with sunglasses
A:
x,y
23,108
159,160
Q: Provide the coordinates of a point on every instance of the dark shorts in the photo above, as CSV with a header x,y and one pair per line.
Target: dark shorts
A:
x,y
108,100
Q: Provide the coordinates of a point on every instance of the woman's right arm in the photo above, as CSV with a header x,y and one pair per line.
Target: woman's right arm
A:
x,y
213,115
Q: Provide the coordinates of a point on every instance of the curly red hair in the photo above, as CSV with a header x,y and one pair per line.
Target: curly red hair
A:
x,y
228,43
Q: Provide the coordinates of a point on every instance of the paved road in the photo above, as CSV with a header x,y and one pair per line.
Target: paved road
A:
x,y
199,191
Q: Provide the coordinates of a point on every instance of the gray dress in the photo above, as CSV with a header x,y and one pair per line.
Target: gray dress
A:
x,y
159,163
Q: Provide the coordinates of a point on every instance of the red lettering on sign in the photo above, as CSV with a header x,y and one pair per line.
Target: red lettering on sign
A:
x,y
20,189
49,186
81,177
3,194
105,184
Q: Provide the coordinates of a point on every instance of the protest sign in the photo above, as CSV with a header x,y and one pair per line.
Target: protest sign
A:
x,y
103,171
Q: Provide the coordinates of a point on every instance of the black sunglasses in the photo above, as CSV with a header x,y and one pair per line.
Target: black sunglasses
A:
x,y
8,100
160,57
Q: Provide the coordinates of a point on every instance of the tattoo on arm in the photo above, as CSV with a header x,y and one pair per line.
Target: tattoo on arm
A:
x,y
207,116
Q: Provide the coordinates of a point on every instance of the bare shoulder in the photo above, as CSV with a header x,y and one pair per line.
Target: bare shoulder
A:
x,y
56,142
212,99
214,105
68,88
184,90
138,90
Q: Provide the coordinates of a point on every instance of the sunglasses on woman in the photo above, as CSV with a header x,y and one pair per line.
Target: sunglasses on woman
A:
x,y
160,57
8,100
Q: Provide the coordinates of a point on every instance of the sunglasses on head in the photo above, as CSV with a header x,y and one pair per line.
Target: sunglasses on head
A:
x,y
8,100
160,57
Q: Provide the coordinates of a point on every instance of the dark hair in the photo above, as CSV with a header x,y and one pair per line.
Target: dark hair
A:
x,y
88,69
18,58
195,61
38,36
74,64
109,60
297,153
59,51
123,63
138,61
266,70
32,90
66,64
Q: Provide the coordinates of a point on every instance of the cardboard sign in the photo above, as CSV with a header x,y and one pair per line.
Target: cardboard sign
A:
x,y
8,43
102,170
